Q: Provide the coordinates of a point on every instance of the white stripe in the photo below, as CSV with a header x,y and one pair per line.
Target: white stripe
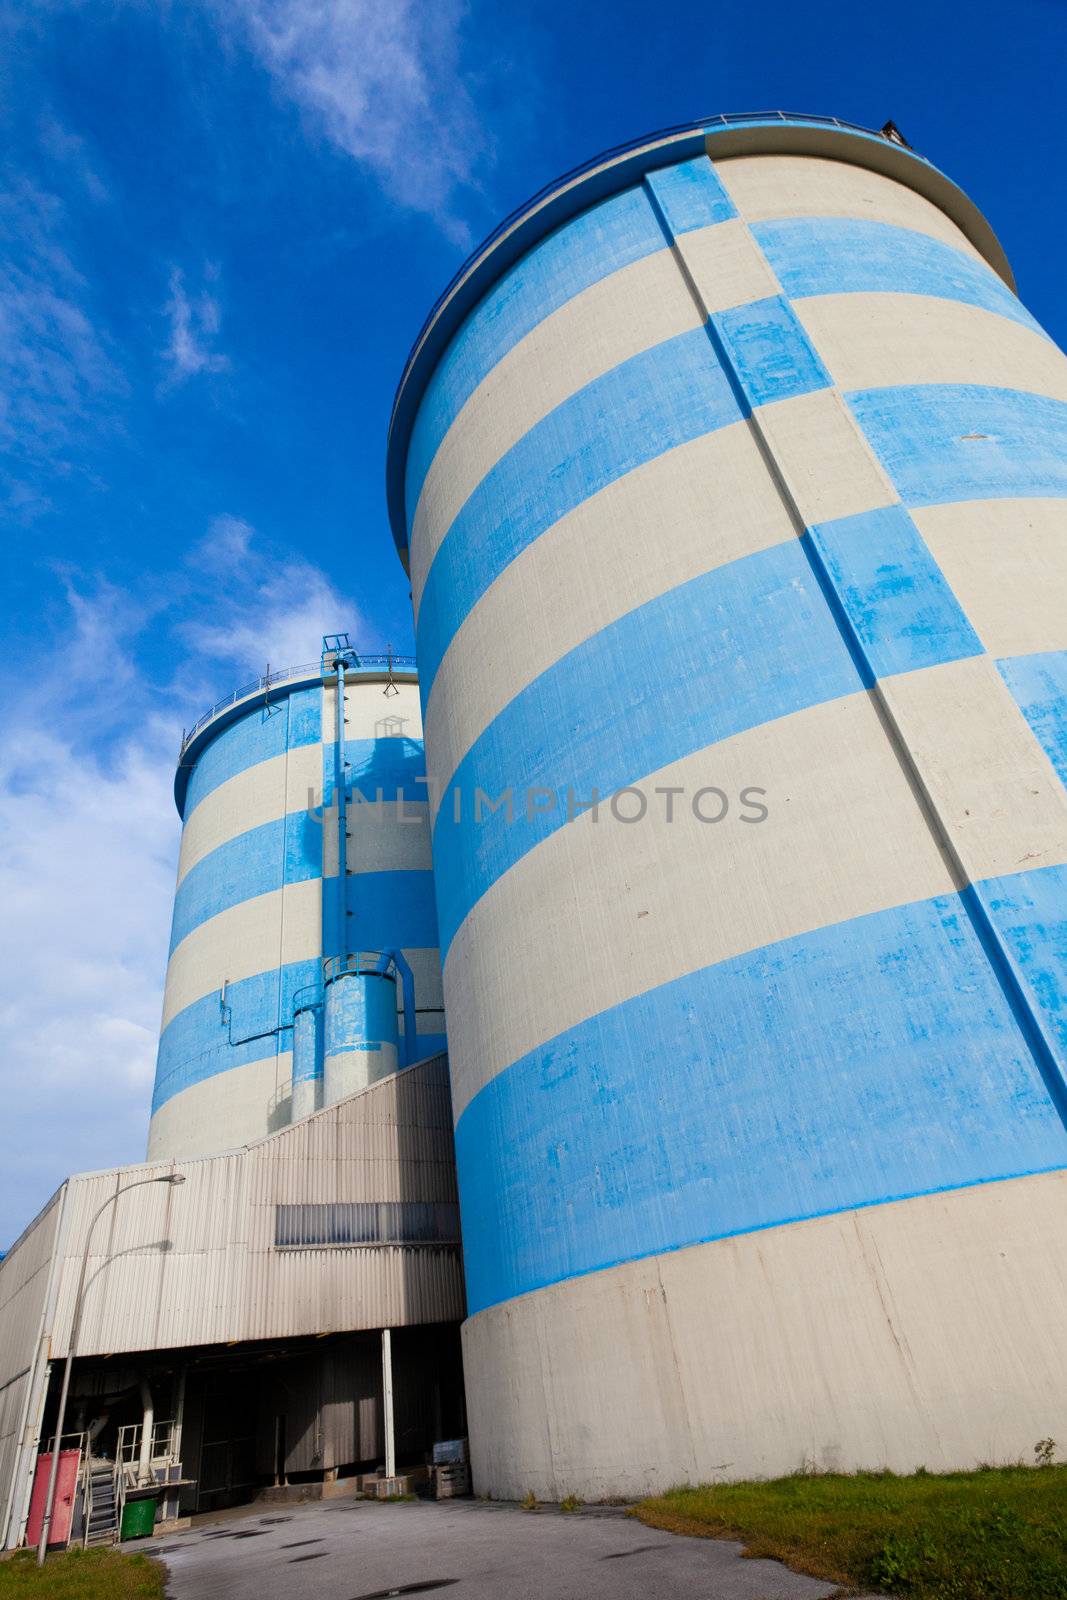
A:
x,y
1007,563
258,795
378,840
874,341
726,266
251,937
823,456
371,712
632,310
763,187
995,791
225,1111
867,1340
599,912
695,508
255,937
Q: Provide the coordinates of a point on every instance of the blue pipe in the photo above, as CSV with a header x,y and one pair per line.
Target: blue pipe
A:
x,y
407,985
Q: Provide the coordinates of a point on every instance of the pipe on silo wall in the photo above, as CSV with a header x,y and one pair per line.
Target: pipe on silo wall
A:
x,y
745,471
307,1061
361,1032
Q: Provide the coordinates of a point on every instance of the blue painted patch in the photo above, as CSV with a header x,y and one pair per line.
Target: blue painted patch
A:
x,y
763,344
1038,685
393,765
592,246
867,1062
945,442
737,646
195,1044
288,850
260,735
391,910
896,599
689,195
851,255
650,404
360,1014
1029,912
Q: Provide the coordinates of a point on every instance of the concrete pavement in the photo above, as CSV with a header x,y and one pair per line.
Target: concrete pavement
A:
x,y
472,1549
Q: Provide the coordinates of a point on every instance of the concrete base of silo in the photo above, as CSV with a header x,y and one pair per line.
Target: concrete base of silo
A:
x,y
922,1333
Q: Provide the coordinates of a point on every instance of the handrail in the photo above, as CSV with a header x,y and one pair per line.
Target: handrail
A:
x,y
286,675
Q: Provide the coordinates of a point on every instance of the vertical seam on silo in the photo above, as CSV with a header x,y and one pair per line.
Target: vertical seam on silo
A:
x,y
1000,958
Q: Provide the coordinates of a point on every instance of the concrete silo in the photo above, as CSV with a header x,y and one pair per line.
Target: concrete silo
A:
x,y
283,996
734,479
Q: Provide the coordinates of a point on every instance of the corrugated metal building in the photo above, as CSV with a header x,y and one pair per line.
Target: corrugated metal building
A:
x,y
257,1288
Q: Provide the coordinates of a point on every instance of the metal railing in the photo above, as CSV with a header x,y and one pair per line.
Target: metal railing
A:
x,y
264,684
604,158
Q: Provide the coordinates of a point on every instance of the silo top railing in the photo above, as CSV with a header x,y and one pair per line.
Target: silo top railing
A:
x,y
264,684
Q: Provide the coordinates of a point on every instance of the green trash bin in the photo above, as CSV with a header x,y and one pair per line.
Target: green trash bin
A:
x,y
139,1517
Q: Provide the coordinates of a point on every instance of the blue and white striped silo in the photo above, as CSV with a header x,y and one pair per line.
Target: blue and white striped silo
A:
x,y
731,475
281,994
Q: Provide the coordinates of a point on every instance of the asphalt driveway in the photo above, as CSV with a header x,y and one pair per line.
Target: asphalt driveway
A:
x,y
470,1549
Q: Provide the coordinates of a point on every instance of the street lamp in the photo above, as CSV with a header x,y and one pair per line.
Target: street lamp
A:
x,y
75,1328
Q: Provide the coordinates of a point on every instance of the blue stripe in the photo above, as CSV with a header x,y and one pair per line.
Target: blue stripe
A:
x,y
845,255
892,591
655,401
392,911
393,764
260,735
867,1062
944,442
690,195
429,1044
195,1044
288,850
1029,912
740,645
1038,684
595,244
768,351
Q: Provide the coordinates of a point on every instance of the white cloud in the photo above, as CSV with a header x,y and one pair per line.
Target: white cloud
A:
x,y
383,82
194,323
56,370
284,610
224,547
88,843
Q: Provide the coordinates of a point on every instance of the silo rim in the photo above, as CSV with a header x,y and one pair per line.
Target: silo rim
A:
x,y
278,687
746,133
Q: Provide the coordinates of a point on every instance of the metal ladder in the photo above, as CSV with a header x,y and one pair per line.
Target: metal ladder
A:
x,y
101,1504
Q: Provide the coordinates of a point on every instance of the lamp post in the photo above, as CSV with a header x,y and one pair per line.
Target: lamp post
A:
x,y
75,1328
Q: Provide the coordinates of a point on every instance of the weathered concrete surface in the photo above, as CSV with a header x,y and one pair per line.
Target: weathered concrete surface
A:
x,y
472,1549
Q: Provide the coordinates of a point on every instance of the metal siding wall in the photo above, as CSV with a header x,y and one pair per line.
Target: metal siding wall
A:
x,y
220,1279
667,1036
25,1275
256,905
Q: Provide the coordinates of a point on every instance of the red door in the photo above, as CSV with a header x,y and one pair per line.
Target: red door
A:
x,y
63,1505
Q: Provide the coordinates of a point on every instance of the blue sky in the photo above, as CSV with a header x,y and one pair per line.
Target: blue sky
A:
x,y
221,227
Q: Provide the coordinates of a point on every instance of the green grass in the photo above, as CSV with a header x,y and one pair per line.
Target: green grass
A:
x,y
82,1575
996,1534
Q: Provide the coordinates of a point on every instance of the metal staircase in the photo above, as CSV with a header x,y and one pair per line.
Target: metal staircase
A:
x,y
102,1508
